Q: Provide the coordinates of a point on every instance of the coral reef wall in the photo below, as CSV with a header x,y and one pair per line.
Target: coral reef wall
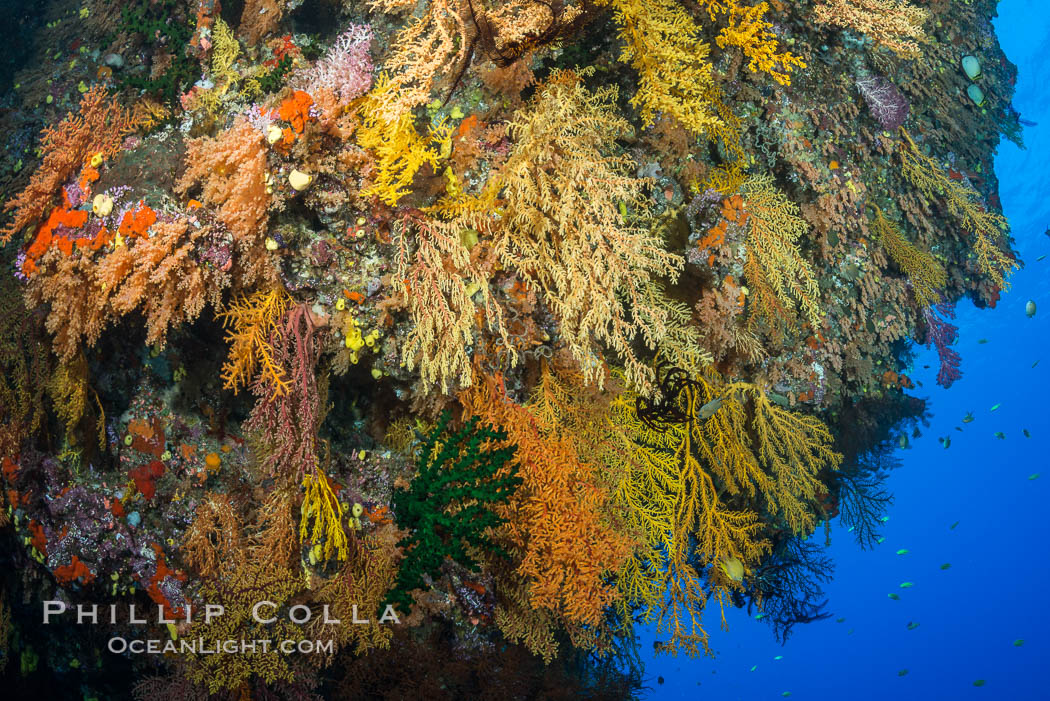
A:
x,y
491,329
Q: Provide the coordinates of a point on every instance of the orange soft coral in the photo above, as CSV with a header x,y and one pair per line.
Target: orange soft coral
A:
x,y
136,223
75,570
296,110
231,169
98,127
559,521
45,236
157,276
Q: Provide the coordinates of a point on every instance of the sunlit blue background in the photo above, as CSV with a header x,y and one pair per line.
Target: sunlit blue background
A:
x,y
997,588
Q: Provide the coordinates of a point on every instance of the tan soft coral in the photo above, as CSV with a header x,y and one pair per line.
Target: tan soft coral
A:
x,y
158,276
231,172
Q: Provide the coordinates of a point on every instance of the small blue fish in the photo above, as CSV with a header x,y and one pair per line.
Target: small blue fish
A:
x,y
1026,433
902,551
946,442
995,407
978,682
779,657
1019,642
946,566
895,597
754,668
884,519
840,620
952,527
902,673
912,625
880,540
907,585
968,418
1000,435
982,341
1033,476
760,616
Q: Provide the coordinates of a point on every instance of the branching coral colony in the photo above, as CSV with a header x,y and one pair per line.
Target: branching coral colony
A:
x,y
553,317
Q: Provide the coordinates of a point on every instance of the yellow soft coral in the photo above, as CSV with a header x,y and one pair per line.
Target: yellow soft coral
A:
x,y
663,44
926,275
749,31
321,520
399,149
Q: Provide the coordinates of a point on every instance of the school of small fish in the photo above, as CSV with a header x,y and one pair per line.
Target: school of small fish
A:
x,y
903,441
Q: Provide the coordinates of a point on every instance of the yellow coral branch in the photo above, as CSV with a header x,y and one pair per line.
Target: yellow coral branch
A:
x,y
794,448
962,202
926,275
321,520
752,33
250,322
772,241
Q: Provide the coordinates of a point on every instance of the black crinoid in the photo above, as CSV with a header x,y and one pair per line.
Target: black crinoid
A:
x,y
665,407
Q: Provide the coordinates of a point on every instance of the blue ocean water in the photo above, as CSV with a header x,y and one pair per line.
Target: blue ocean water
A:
x,y
994,593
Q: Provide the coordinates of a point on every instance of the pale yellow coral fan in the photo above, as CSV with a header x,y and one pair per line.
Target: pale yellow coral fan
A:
x,y
926,275
963,203
570,231
775,228
892,24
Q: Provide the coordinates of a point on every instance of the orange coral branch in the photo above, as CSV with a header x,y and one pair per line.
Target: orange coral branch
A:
x,y
98,127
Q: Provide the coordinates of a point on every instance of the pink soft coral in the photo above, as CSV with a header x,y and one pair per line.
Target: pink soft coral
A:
x,y
346,69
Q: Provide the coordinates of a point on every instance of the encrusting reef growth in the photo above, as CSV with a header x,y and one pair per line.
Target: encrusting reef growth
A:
x,y
491,329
